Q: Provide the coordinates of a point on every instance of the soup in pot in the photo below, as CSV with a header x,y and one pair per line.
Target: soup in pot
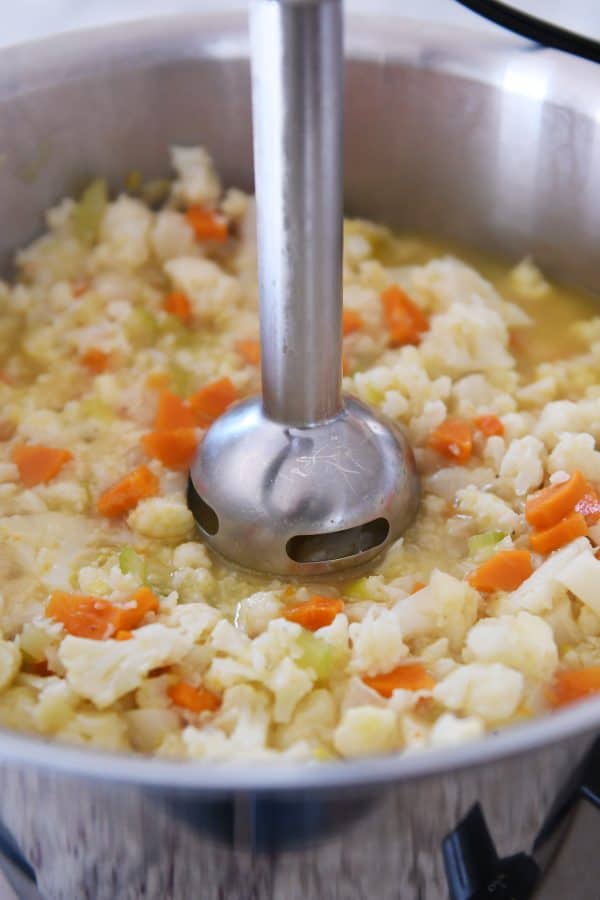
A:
x,y
131,325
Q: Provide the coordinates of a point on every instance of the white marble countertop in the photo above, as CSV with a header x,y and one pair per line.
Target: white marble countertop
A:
x,y
30,19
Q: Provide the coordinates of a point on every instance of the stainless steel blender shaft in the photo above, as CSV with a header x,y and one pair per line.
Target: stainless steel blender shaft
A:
x,y
297,77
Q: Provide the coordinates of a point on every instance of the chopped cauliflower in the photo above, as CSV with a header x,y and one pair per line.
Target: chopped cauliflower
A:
x,y
491,691
365,730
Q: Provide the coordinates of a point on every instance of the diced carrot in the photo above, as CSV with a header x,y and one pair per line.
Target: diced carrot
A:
x,y
346,367
351,321
173,412
38,464
417,586
131,616
207,224
452,439
403,318
196,699
489,425
410,677
98,619
589,506
565,531
83,616
212,400
177,304
504,571
314,613
80,286
574,684
548,506
127,493
250,350
5,378
123,635
157,381
175,448
95,359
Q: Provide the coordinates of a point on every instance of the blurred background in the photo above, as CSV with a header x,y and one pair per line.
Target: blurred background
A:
x,y
29,19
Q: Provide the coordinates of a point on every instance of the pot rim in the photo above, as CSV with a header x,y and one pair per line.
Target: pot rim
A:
x,y
502,60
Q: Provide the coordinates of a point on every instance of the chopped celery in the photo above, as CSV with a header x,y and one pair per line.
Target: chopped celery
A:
x,y
131,563
95,408
485,540
88,213
317,655
181,380
141,328
358,589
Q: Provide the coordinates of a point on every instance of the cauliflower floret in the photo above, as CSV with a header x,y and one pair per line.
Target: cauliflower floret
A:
x,y
491,692
211,291
312,721
469,337
488,510
161,517
10,662
56,704
377,644
254,613
147,728
447,607
240,726
191,555
522,641
105,730
172,235
365,730
197,180
124,234
537,593
449,730
523,464
194,619
528,281
581,576
576,451
289,683
103,671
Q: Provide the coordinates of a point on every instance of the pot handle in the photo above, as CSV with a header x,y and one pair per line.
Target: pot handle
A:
x,y
475,871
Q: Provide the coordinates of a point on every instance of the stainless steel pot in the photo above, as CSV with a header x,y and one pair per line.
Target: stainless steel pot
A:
x,y
486,140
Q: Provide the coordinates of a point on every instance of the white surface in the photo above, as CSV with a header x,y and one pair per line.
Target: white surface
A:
x,y
29,19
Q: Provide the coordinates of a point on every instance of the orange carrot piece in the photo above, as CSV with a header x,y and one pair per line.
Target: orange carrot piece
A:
x,y
574,684
565,531
175,448
504,571
79,286
207,224
157,381
7,430
196,699
548,506
452,439
95,359
98,619
589,506
123,635
403,318
417,586
177,304
409,677
315,613
489,425
213,399
83,616
38,464
351,321
131,616
127,493
173,412
250,350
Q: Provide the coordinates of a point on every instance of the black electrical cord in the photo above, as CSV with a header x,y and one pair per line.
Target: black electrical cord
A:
x,y
535,29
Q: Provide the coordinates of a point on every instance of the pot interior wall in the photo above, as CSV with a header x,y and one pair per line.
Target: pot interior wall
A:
x,y
426,149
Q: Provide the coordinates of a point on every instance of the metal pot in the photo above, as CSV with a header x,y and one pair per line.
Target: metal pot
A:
x,y
486,140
